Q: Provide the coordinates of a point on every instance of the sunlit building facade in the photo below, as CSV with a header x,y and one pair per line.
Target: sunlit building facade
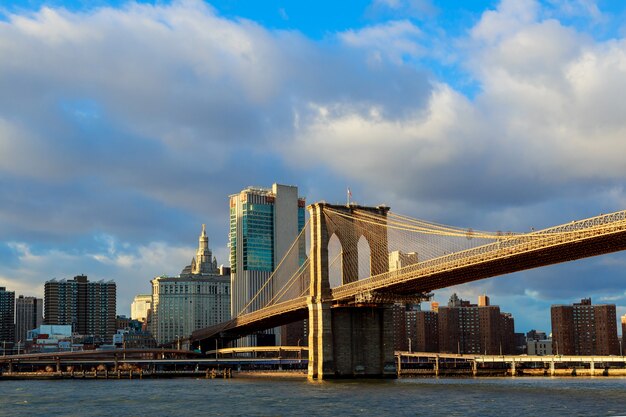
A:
x,y
140,307
197,298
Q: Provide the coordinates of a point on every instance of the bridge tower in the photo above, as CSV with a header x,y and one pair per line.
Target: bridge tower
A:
x,y
348,340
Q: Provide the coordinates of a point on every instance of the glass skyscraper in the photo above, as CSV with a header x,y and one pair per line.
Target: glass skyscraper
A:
x,y
263,225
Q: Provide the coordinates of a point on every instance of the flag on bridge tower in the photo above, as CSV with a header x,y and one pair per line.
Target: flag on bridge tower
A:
x,y
349,195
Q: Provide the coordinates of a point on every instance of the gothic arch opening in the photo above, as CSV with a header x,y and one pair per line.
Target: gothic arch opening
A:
x,y
364,268
335,262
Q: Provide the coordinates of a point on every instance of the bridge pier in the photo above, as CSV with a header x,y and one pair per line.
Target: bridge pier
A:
x,y
320,340
351,342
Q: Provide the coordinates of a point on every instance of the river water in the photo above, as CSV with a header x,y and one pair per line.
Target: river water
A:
x,y
295,397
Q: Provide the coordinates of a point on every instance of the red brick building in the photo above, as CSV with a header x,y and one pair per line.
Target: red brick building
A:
x,y
426,331
584,329
404,330
462,327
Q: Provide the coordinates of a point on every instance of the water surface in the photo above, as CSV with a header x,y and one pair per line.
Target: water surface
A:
x,y
289,397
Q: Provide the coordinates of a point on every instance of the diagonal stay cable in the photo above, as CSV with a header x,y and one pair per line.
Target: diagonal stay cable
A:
x,y
271,277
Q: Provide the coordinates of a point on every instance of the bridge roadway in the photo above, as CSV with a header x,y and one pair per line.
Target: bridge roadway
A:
x,y
576,240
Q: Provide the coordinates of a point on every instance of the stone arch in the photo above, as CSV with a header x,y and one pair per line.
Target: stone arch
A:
x,y
322,229
364,257
351,237
335,261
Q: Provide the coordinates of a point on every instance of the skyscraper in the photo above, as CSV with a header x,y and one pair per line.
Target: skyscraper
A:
x,y
28,316
88,306
7,323
197,298
584,329
263,225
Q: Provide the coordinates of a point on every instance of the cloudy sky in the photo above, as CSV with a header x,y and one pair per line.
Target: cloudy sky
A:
x,y
125,125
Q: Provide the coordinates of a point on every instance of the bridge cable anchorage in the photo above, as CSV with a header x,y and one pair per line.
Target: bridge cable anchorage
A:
x,y
283,274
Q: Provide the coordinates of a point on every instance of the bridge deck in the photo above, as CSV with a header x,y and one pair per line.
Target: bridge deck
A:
x,y
576,240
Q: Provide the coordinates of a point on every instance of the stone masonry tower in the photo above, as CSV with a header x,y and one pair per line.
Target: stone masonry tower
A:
x,y
350,339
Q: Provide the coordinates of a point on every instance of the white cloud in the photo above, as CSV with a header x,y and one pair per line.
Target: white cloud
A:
x,y
547,120
510,15
396,40
368,146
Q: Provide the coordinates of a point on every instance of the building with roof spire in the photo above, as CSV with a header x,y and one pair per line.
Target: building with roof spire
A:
x,y
197,298
204,263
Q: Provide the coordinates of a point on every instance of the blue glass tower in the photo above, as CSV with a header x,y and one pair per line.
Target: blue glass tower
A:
x,y
263,225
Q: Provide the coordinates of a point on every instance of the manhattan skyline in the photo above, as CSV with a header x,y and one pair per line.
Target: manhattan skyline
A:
x,y
124,126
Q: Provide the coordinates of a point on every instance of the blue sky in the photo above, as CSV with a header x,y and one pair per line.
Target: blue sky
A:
x,y
125,125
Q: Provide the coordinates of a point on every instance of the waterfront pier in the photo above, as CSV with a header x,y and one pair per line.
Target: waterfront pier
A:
x,y
450,364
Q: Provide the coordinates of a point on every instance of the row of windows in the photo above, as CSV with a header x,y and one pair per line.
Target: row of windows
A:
x,y
208,291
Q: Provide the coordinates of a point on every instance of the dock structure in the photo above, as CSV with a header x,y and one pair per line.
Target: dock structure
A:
x,y
450,364
286,361
151,363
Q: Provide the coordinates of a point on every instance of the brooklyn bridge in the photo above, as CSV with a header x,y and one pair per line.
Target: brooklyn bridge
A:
x,y
351,262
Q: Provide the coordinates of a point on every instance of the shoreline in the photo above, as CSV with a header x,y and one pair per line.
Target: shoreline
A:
x,y
302,375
